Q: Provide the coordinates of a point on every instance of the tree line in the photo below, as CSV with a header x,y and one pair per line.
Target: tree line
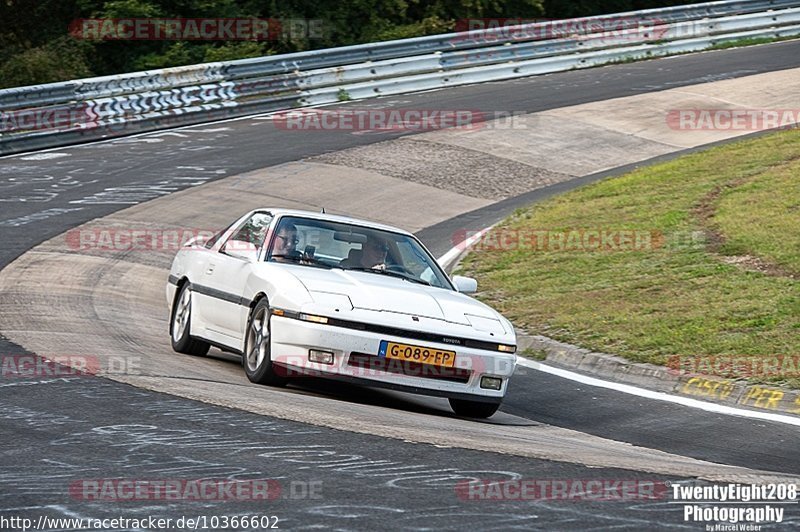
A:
x,y
43,41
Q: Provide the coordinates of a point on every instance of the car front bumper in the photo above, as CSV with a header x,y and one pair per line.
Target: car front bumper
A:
x,y
356,360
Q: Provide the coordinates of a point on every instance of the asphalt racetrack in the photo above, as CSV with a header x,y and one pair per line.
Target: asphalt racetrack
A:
x,y
344,457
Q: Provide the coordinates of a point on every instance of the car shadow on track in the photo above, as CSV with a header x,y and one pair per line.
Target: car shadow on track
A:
x,y
352,393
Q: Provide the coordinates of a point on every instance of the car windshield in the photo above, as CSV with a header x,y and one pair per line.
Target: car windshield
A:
x,y
326,244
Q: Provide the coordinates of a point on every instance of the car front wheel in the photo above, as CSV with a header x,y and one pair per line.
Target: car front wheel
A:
x,y
257,359
476,409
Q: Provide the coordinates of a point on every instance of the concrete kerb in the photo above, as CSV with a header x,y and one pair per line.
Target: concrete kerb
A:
x,y
659,378
584,361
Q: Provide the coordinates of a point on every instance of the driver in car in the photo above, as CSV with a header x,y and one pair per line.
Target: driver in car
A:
x,y
284,247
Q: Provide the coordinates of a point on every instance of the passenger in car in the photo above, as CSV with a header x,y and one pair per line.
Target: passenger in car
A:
x,y
371,255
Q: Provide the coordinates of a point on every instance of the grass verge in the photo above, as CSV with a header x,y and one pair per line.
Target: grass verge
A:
x,y
682,289
752,41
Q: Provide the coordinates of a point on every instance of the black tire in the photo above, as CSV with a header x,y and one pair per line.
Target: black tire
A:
x,y
180,325
475,409
257,359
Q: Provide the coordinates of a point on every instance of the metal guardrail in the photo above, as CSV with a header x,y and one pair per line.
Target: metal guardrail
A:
x,y
111,106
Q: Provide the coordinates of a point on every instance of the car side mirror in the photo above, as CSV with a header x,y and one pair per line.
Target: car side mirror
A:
x,y
465,285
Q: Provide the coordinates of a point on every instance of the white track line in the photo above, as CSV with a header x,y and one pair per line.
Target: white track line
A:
x,y
658,396
445,260
627,388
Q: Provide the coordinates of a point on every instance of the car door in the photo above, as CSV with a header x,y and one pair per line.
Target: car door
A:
x,y
225,277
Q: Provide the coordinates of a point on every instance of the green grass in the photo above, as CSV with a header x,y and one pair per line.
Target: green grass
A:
x,y
680,297
648,55
762,218
751,41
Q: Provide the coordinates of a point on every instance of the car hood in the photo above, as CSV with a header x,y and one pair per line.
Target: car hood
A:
x,y
383,293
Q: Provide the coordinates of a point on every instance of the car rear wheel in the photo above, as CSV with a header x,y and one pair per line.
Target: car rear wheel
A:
x,y
257,359
477,409
181,326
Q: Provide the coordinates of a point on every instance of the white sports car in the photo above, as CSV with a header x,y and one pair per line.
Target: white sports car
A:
x,y
297,293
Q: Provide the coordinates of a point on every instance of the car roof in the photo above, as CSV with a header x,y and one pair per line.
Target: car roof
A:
x,y
334,218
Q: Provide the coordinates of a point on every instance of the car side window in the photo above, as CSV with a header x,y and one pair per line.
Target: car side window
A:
x,y
251,233
213,240
416,263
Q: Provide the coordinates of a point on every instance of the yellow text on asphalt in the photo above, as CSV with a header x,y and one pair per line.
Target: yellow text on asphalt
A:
x,y
796,409
707,388
762,398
